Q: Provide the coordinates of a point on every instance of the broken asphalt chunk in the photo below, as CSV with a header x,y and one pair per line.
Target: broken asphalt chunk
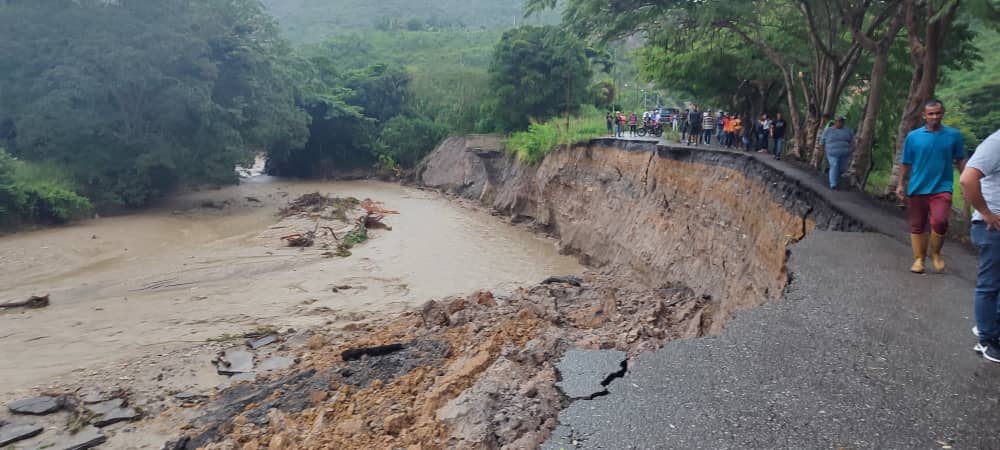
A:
x,y
586,373
106,406
254,344
88,437
357,353
234,361
37,406
571,280
11,433
112,411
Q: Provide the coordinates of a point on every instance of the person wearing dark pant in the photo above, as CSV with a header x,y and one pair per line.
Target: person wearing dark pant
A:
x,y
778,135
981,186
926,179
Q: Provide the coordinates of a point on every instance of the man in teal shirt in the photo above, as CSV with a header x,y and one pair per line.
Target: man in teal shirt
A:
x,y
926,180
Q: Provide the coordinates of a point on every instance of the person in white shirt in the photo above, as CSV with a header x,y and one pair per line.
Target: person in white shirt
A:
x,y
981,187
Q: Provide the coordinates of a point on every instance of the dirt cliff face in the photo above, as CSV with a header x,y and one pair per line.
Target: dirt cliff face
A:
x,y
718,222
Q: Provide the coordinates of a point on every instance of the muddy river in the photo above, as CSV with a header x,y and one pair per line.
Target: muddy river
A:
x,y
210,263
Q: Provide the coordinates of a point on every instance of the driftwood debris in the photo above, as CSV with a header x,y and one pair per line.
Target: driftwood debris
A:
x,y
306,239
375,213
316,203
35,301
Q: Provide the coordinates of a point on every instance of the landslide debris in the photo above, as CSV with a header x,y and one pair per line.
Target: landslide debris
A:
x,y
314,208
466,372
333,208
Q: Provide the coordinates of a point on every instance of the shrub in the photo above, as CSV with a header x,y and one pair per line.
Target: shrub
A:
x,y
37,193
532,145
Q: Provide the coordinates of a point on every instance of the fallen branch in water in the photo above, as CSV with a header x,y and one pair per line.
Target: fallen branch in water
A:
x,y
35,301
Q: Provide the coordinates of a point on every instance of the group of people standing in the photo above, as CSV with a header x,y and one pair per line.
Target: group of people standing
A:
x,y
732,130
618,122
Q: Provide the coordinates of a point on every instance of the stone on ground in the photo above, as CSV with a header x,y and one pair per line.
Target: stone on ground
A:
x,y
37,406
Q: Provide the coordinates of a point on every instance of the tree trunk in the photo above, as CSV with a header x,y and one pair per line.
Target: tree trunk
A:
x,y
907,122
814,130
794,115
925,50
861,158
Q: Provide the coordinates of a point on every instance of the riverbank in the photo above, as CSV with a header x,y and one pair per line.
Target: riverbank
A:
x,y
136,297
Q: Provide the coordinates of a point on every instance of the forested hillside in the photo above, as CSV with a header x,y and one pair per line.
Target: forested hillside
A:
x,y
111,105
122,102
316,20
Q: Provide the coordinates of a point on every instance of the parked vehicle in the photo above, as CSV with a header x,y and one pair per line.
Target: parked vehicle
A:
x,y
651,129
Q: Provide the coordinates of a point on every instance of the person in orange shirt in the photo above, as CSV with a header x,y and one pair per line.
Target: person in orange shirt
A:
x,y
727,131
737,130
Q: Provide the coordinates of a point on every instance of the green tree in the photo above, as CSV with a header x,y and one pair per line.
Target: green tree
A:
x,y
537,72
407,139
136,97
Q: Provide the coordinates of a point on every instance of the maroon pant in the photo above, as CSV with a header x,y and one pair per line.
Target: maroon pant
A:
x,y
937,206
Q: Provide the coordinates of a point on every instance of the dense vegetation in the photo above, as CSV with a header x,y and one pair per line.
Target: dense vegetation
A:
x,y
975,91
312,21
131,99
113,104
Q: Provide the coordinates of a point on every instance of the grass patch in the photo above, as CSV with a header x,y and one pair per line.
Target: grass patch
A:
x,y
532,145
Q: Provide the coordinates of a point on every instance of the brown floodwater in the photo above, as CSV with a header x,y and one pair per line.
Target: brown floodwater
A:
x,y
124,287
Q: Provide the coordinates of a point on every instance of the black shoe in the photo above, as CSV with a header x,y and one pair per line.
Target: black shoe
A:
x,y
992,351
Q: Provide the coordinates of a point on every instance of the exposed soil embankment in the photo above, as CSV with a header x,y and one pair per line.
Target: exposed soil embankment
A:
x,y
718,222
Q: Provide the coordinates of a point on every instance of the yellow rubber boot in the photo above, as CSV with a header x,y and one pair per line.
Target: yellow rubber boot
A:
x,y
937,241
919,243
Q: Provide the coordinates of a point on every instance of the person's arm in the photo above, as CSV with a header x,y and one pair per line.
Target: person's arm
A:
x,y
905,164
972,190
904,180
958,153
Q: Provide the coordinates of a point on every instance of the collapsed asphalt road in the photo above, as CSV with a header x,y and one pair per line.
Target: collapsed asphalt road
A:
x,y
859,354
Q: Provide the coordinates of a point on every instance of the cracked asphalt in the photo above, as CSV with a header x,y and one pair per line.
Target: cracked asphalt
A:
x,y
858,354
